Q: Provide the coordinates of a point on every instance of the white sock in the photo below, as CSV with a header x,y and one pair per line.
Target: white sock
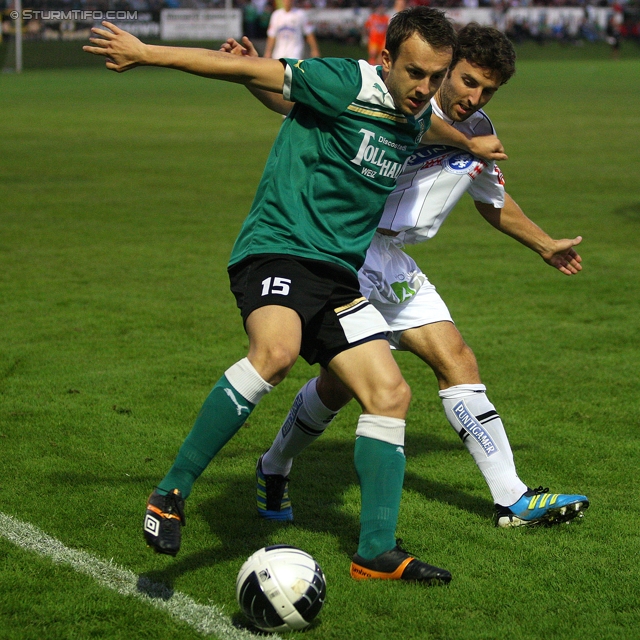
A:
x,y
477,422
247,381
306,421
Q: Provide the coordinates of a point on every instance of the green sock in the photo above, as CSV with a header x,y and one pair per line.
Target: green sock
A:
x,y
380,467
222,414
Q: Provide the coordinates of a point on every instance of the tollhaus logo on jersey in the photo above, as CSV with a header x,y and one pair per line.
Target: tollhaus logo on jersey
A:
x,y
374,155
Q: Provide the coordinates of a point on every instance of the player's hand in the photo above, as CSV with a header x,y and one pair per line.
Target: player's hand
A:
x,y
244,49
487,147
564,257
122,50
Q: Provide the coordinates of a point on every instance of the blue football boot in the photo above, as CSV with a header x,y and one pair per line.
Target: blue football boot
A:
x,y
538,506
273,495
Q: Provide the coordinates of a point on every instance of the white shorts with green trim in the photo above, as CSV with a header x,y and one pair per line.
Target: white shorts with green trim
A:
x,y
395,286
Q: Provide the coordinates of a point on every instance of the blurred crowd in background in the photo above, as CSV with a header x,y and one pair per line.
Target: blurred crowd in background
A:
x,y
622,17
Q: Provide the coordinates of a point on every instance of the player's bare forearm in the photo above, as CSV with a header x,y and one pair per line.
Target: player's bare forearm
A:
x,y
269,99
268,49
486,147
512,221
314,49
123,51
273,101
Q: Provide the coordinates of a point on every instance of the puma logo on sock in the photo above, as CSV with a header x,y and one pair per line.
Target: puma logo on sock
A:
x,y
239,407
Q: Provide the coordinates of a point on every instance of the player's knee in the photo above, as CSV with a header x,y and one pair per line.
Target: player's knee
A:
x,y
402,396
468,361
457,365
391,399
273,362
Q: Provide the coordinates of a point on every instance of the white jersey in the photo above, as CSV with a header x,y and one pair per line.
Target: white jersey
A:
x,y
433,180
289,29
435,177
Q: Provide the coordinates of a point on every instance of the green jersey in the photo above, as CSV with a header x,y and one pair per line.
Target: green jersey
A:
x,y
332,166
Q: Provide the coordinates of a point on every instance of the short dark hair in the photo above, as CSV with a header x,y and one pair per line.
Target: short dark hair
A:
x,y
486,47
431,25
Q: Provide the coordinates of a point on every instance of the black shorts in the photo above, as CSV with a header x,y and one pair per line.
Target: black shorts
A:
x,y
335,315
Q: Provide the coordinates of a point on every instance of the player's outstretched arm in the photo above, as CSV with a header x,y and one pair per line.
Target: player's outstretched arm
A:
x,y
123,51
486,147
268,50
273,101
314,48
512,221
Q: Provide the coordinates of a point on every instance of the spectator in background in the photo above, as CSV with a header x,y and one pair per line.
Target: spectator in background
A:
x,y
376,33
250,17
613,34
288,28
265,10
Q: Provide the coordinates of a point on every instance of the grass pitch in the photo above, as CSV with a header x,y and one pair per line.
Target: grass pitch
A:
x,y
120,199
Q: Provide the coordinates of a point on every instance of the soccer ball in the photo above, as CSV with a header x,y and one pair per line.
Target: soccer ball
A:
x,y
280,588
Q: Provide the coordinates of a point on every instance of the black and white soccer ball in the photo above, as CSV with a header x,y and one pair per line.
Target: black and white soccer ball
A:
x,y
281,588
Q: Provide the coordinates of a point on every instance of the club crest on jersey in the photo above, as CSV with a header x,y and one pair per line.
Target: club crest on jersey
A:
x,y
459,163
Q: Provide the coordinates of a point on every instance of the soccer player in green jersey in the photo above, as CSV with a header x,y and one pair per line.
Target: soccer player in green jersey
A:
x,y
293,267
433,181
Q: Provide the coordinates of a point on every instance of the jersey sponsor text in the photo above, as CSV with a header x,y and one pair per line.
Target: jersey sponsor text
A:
x,y
394,145
374,155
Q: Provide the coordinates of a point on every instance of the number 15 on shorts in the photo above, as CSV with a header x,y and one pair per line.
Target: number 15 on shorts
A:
x,y
276,286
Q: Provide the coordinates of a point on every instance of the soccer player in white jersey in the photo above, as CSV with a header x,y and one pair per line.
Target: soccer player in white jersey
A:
x,y
293,268
433,181
288,29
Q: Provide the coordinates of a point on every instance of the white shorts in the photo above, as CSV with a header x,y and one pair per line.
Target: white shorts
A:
x,y
395,285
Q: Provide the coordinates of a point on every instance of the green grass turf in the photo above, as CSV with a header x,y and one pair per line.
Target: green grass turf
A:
x,y
120,199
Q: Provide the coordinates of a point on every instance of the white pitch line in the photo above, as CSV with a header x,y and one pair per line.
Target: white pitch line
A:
x,y
206,619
